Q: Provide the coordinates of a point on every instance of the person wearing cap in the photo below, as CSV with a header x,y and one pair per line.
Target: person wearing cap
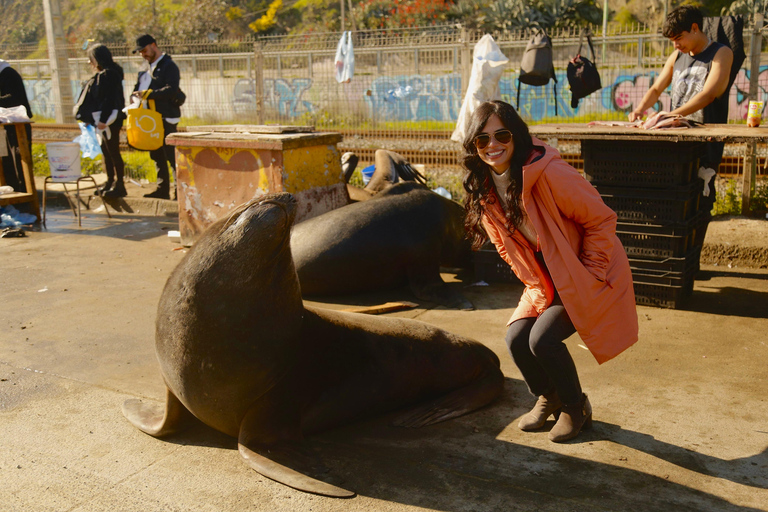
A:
x,y
161,84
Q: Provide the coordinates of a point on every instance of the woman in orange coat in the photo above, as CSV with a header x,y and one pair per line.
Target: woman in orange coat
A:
x,y
553,229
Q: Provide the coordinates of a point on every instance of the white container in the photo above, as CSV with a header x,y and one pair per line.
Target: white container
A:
x,y
64,160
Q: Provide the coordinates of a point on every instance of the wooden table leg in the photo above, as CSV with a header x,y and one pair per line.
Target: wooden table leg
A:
x,y
749,176
27,166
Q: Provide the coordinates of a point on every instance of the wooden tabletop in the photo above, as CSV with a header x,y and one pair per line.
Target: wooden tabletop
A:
x,y
730,133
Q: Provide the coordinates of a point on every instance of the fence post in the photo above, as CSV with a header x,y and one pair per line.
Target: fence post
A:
x,y
750,158
309,63
640,50
416,60
258,81
466,62
221,65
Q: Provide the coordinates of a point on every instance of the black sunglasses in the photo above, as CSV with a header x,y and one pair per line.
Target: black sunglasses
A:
x,y
501,136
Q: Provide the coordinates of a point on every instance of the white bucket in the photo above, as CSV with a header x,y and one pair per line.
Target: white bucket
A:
x,y
64,160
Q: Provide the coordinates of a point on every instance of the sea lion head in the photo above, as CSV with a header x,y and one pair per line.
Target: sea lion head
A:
x,y
230,314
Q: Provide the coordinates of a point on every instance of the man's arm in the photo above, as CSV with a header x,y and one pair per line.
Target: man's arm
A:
x,y
717,82
659,85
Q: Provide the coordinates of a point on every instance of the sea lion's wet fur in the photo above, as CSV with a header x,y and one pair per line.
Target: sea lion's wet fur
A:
x,y
401,236
240,352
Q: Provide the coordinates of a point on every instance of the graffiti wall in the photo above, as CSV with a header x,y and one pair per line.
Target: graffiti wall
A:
x,y
404,97
438,98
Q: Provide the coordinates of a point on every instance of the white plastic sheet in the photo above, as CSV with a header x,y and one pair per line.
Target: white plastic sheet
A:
x,y
488,64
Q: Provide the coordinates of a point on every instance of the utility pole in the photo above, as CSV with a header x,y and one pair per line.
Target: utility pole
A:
x,y
59,63
342,15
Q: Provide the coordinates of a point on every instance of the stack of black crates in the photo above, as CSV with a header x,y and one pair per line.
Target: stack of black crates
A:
x,y
655,190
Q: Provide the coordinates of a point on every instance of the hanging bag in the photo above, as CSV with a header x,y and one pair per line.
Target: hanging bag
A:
x,y
537,66
145,127
583,77
345,59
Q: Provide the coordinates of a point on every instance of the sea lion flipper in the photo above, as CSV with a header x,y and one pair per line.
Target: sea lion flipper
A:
x,y
262,462
157,421
454,404
426,284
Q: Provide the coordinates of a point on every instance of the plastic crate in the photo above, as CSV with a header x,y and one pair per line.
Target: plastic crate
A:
x,y
657,206
489,267
688,263
659,242
660,295
641,163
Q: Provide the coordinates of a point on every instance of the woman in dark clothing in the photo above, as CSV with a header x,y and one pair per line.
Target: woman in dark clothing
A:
x,y
101,105
13,94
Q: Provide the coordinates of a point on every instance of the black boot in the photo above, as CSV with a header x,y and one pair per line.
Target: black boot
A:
x,y
160,193
117,191
104,188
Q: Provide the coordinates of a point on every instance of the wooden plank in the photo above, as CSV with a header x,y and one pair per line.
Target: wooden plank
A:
x,y
729,133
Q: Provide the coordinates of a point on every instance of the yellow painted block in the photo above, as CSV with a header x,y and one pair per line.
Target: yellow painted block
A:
x,y
311,167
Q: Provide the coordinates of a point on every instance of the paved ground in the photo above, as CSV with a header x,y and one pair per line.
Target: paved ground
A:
x,y
681,419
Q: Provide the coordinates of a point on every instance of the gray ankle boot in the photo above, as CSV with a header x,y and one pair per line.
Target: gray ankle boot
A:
x,y
545,406
573,418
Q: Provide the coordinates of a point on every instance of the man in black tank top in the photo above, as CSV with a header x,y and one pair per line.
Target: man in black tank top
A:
x,y
699,71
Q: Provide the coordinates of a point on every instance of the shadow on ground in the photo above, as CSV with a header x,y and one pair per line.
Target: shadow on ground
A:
x,y
396,465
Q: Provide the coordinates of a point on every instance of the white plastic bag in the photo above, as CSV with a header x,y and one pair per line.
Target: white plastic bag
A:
x,y
90,145
488,64
17,114
345,59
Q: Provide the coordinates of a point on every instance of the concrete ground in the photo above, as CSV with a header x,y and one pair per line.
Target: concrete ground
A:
x,y
680,419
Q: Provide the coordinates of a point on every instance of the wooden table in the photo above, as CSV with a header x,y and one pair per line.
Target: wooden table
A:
x,y
728,133
30,196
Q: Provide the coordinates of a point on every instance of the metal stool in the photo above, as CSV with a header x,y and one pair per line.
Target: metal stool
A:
x,y
78,198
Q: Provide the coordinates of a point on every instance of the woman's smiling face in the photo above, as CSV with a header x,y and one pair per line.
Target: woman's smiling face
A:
x,y
496,154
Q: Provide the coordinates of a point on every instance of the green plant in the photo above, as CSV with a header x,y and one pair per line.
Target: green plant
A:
x,y
139,166
759,203
728,198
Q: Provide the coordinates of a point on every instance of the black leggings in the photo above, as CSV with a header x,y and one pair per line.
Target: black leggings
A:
x,y
537,347
113,160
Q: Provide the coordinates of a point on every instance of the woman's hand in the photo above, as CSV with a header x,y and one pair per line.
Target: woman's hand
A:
x,y
101,126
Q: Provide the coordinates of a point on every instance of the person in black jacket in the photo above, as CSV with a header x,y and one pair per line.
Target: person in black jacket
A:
x,y
101,105
160,83
12,94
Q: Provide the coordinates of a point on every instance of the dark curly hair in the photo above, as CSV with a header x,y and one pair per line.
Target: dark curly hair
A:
x,y
478,182
681,20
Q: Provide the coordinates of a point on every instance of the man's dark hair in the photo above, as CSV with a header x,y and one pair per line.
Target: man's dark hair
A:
x,y
681,20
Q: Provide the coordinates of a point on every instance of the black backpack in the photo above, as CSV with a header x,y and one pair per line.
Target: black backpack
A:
x,y
583,77
536,66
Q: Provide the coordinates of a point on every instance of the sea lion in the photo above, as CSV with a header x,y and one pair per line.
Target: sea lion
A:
x,y
239,351
401,236
389,168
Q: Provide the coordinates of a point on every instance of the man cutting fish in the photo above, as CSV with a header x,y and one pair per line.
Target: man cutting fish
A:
x,y
699,71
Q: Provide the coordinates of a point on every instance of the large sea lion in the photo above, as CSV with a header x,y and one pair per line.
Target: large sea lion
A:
x,y
401,236
239,351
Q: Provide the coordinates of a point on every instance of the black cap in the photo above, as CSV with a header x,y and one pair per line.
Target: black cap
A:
x,y
143,41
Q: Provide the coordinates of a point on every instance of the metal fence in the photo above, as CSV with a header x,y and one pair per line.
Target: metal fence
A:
x,y
404,80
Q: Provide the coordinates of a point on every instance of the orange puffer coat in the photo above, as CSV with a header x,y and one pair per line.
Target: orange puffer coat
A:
x,y
577,238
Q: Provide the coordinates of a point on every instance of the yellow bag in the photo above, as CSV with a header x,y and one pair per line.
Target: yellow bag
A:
x,y
145,127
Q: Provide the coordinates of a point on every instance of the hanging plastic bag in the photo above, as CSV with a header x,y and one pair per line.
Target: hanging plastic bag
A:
x,y
144,127
345,59
488,64
90,146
